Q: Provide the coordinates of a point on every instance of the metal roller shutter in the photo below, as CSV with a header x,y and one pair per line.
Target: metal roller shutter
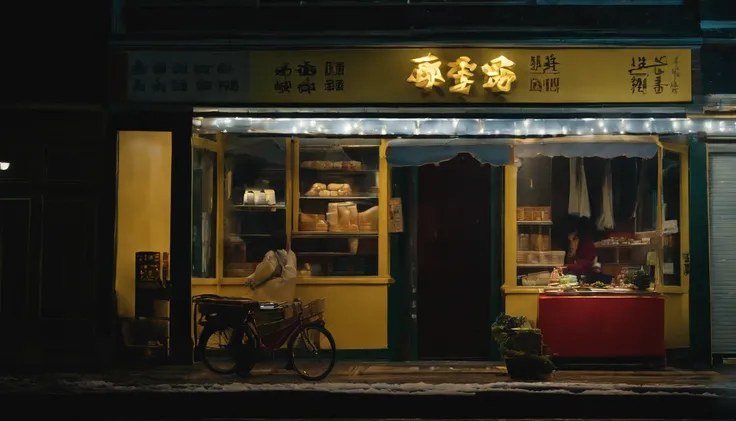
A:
x,y
722,193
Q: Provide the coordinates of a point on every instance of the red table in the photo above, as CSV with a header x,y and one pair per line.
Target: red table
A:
x,y
602,326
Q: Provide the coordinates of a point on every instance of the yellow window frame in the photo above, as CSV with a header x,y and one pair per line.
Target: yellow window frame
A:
x,y
511,230
292,214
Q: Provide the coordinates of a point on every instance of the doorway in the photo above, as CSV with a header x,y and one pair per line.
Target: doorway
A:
x,y
454,260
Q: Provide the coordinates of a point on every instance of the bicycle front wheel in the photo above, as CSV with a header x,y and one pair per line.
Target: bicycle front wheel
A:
x,y
312,352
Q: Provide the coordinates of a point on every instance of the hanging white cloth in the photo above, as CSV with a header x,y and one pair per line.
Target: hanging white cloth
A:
x,y
605,220
579,202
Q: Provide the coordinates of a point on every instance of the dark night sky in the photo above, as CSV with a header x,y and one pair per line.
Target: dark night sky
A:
x,y
55,51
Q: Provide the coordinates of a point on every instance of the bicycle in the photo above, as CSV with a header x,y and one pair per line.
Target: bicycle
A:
x,y
231,324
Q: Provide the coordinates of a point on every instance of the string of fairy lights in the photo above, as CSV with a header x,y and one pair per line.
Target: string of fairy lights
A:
x,y
464,127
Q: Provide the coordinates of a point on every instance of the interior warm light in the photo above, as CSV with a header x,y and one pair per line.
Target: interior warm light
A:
x,y
499,73
426,74
4,166
462,71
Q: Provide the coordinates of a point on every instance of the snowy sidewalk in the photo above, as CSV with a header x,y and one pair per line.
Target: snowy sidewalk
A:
x,y
389,390
430,373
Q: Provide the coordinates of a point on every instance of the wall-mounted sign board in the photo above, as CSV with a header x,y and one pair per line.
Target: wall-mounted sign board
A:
x,y
413,76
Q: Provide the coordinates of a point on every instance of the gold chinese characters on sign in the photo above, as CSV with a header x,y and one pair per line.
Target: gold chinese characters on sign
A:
x,y
438,75
499,73
461,70
426,74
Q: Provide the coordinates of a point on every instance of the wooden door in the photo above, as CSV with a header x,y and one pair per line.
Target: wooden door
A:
x,y
15,259
454,253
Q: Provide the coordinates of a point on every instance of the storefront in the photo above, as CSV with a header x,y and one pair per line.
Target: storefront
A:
x,y
619,205
56,236
349,154
711,162
721,157
326,198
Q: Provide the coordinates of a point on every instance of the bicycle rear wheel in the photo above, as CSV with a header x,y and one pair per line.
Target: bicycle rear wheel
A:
x,y
312,352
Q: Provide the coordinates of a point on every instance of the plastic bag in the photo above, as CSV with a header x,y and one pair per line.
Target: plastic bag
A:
x,y
273,277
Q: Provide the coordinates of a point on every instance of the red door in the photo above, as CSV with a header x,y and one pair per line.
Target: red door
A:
x,y
454,252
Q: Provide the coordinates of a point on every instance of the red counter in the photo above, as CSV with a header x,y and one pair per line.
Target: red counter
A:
x,y
602,326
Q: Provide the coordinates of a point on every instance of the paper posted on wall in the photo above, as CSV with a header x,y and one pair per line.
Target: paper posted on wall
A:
x,y
670,227
395,215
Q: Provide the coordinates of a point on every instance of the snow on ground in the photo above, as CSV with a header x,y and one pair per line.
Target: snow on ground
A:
x,y
11,385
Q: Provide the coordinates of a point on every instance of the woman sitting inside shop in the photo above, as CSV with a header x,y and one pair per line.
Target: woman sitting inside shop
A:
x,y
581,255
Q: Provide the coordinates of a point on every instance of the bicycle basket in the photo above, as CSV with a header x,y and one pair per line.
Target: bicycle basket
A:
x,y
313,309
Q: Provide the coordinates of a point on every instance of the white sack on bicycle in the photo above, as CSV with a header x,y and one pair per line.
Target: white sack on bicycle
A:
x,y
273,279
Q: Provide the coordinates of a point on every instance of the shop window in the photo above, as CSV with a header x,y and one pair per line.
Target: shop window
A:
x,y
671,188
590,219
336,226
255,201
204,213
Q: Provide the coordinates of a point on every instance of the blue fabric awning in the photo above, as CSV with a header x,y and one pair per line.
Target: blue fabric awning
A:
x,y
580,149
418,152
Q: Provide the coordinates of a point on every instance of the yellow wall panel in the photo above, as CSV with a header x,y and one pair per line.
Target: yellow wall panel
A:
x,y
356,315
143,206
677,320
526,305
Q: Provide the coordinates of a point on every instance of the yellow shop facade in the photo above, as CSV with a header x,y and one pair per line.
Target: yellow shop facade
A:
x,y
423,190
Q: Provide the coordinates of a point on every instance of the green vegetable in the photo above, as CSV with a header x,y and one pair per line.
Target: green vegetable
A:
x,y
639,278
517,339
642,281
598,284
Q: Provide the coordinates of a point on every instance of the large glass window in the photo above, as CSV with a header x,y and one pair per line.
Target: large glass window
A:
x,y
255,201
204,213
336,230
318,197
587,219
